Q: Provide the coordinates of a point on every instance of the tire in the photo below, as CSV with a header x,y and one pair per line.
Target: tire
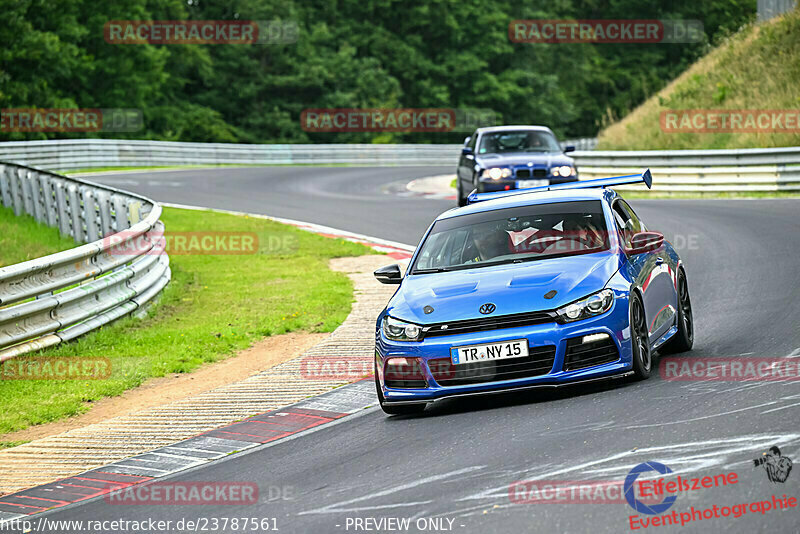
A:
x,y
640,342
462,199
684,337
396,409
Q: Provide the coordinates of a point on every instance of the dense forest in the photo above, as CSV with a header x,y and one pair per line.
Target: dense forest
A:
x,y
348,54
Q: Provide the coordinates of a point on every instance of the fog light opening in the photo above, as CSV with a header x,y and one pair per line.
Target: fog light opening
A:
x,y
591,338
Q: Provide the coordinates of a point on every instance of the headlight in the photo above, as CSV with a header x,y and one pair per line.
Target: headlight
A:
x,y
592,305
495,173
400,330
564,170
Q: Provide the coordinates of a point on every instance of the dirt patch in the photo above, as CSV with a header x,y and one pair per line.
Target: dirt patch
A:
x,y
263,355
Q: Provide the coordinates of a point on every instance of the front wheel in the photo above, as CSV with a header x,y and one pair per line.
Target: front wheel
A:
x,y
640,342
395,409
684,337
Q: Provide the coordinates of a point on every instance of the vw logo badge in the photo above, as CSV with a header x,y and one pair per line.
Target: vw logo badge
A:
x,y
487,308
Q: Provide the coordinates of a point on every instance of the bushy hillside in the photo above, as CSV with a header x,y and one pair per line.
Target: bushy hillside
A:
x,y
756,69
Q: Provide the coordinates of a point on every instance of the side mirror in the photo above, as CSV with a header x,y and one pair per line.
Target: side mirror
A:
x,y
466,140
569,148
466,151
389,274
645,242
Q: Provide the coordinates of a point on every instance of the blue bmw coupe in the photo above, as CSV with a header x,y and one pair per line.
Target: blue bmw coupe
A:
x,y
537,288
505,158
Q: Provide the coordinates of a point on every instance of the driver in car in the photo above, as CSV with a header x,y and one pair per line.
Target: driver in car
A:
x,y
534,141
580,232
489,242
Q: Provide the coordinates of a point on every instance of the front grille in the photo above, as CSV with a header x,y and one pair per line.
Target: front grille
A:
x,y
538,362
488,323
527,173
580,355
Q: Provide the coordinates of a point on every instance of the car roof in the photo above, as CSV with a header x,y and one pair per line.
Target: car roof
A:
x,y
513,127
515,199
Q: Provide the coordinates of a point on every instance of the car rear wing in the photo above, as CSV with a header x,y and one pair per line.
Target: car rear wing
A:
x,y
645,177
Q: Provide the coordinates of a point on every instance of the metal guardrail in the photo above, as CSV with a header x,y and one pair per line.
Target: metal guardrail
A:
x,y
742,170
71,154
774,169
767,9
59,297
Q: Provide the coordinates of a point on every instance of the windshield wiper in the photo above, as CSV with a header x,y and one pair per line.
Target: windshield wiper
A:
x,y
436,270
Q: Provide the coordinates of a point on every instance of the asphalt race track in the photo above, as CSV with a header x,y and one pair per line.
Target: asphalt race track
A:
x,y
457,461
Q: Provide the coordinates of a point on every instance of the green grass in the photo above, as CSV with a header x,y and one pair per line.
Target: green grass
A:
x,y
453,184
757,68
10,444
213,307
23,239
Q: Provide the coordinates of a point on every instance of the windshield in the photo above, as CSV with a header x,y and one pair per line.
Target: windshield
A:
x,y
511,235
518,141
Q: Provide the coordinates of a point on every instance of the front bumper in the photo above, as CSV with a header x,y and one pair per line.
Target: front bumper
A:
x,y
488,185
614,322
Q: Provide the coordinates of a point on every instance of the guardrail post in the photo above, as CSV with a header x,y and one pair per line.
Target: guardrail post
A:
x,y
27,192
37,200
19,192
16,200
5,185
75,212
48,200
104,203
120,212
64,219
90,215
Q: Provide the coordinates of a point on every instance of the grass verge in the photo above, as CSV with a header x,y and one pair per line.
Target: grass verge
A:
x,y
23,239
10,444
214,306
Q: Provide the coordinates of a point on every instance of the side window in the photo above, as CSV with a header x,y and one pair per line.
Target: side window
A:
x,y
624,221
473,142
638,225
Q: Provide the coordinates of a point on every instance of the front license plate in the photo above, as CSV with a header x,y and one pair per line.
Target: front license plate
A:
x,y
524,184
516,348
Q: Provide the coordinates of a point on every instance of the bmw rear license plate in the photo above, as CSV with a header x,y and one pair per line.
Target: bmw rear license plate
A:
x,y
524,184
516,348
